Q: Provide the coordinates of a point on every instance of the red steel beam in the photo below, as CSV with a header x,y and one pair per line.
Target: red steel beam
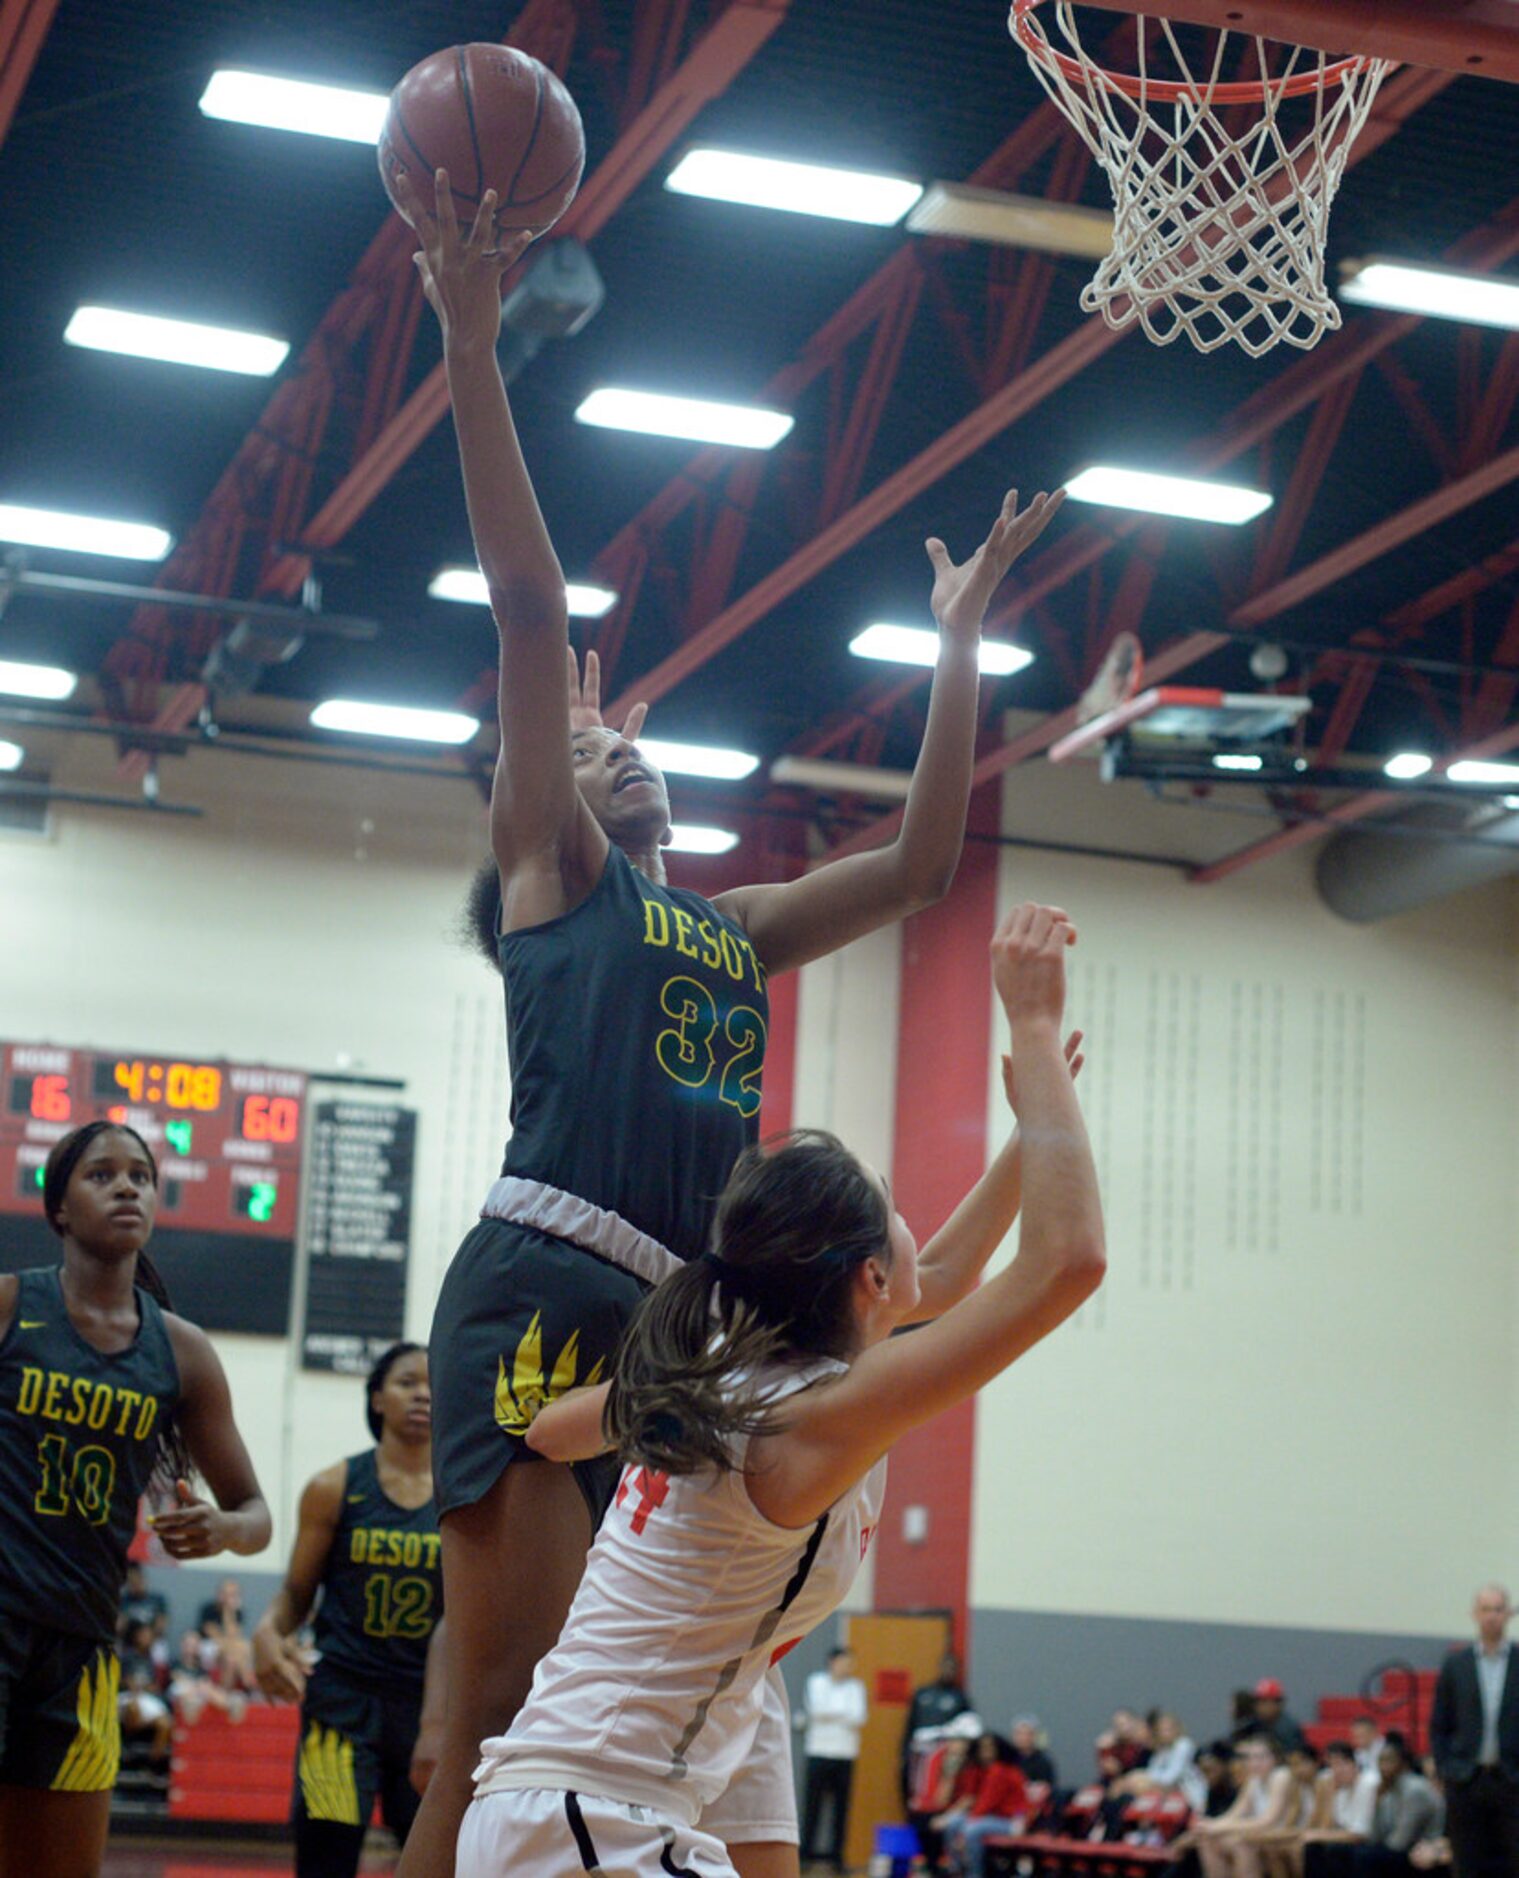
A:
x,y
23,27
721,53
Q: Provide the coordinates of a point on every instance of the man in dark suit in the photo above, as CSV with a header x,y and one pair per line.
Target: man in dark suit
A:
x,y
1474,1736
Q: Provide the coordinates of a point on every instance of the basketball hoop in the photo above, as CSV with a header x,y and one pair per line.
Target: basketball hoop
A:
x,y
1221,187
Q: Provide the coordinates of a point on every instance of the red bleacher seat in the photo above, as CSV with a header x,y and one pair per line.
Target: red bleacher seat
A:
x,y
235,1770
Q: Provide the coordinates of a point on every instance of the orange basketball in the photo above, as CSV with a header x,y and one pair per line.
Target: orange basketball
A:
x,y
494,118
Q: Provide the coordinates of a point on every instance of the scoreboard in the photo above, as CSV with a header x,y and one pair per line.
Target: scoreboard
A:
x,y
228,1139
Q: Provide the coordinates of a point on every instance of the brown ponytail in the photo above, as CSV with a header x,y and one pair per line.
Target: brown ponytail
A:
x,y
794,1222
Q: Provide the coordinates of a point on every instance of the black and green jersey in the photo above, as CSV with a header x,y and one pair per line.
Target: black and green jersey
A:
x,y
382,1591
79,1434
636,1026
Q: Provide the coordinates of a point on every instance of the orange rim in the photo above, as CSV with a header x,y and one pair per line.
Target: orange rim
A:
x,y
1174,91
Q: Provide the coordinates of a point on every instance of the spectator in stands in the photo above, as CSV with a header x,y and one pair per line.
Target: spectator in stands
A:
x,y
999,1806
947,1781
1217,1764
835,1713
933,1706
1031,1745
1125,1741
229,1657
1347,1803
139,1605
1228,1844
147,1725
1474,1735
191,1689
1281,1852
1407,1810
1366,1739
1271,1718
1172,1766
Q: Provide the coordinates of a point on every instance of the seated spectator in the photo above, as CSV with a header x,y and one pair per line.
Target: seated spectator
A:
x,y
1031,1745
1270,1717
191,1687
1125,1742
1407,1809
229,1657
1218,1764
1366,1739
1348,1799
1228,1844
1172,1766
935,1705
1281,1852
947,1775
139,1605
998,1806
146,1721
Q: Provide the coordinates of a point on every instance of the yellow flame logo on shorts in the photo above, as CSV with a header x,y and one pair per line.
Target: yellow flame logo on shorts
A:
x,y
519,1400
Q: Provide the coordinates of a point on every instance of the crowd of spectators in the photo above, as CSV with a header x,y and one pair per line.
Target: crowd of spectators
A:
x,y
211,1667
1255,1802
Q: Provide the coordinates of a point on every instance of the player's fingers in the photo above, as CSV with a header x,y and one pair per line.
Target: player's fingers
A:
x,y
1073,1044
448,221
634,722
938,554
572,674
590,683
482,230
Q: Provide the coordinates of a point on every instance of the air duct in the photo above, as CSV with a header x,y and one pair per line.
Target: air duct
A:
x,y
1369,874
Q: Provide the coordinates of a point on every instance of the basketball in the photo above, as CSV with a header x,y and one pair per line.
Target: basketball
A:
x,y
494,118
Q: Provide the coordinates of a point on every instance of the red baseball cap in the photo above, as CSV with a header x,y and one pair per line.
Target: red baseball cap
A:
x,y
1270,1689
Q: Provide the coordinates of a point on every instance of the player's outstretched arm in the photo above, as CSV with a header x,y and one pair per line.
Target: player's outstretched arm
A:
x,y
239,1521
535,806
279,1663
951,1264
836,1432
791,922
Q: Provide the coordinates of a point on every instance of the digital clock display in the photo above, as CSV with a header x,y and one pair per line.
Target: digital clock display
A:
x,y
194,1086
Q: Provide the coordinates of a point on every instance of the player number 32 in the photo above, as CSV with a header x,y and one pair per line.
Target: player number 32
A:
x,y
701,1043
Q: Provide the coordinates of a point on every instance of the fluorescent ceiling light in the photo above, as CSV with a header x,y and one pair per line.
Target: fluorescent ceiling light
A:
x,y
1407,765
18,680
918,645
394,720
83,534
11,754
177,342
1487,775
1167,495
699,759
967,213
1235,759
293,104
803,188
1437,291
583,599
693,838
696,420
857,779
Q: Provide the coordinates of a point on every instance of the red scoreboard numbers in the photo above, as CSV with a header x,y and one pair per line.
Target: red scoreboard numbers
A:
x,y
271,1118
51,1101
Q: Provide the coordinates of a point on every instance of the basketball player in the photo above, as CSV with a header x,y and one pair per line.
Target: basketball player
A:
x,y
368,1540
637,1018
104,1395
754,1402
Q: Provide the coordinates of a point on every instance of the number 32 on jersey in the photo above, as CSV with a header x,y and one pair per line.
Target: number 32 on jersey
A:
x,y
700,1043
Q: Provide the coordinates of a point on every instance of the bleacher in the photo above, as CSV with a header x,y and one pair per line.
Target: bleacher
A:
x,y
235,1771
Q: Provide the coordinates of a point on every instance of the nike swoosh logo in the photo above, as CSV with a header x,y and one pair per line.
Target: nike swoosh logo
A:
x,y
33,1323
354,1498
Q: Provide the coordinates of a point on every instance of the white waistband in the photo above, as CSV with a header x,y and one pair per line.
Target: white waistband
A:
x,y
530,1772
594,1228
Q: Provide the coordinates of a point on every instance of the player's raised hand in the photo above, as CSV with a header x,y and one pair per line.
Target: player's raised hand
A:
x,y
1028,963
962,593
461,273
585,699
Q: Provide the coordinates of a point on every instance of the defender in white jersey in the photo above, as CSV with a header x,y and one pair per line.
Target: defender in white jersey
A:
x,y
755,1398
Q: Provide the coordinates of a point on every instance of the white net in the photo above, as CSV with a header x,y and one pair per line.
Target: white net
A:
x,y
1222,187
